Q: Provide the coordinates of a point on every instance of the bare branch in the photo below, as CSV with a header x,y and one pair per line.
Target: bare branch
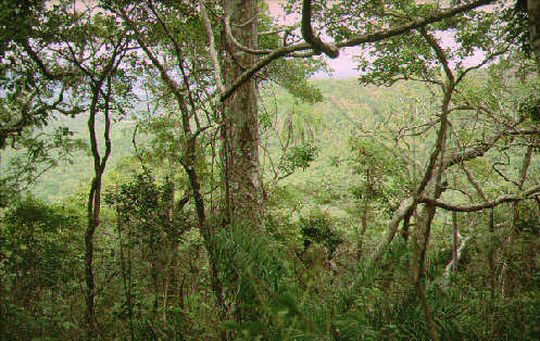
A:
x,y
415,24
479,150
474,183
486,60
525,132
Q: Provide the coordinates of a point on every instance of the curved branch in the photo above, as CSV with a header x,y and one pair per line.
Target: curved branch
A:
x,y
40,64
405,207
316,43
408,204
231,37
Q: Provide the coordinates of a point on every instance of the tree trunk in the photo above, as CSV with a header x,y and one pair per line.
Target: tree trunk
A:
x,y
365,215
243,187
533,10
126,275
94,198
455,241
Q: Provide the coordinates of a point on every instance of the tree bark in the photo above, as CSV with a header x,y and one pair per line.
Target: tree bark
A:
x,y
533,11
243,186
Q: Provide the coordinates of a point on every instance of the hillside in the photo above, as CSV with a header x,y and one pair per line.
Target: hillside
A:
x,y
347,108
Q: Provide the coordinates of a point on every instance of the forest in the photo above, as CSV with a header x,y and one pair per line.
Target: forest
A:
x,y
194,170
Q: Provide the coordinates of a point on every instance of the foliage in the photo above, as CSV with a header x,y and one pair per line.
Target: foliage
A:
x,y
340,252
299,156
41,264
316,228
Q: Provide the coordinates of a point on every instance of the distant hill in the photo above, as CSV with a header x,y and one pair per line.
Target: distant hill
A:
x,y
347,107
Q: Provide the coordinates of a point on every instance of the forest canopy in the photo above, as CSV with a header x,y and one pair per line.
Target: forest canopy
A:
x,y
190,170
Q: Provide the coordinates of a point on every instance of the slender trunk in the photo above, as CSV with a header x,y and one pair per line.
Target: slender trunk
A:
x,y
365,212
244,187
129,290
170,263
491,253
94,197
427,216
91,227
154,273
405,230
455,241
207,235
515,217
421,292
88,262
123,268
2,309
189,153
433,186
190,159
492,272
521,181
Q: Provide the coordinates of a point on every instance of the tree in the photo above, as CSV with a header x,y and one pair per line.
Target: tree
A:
x,y
82,53
240,120
31,98
199,66
241,170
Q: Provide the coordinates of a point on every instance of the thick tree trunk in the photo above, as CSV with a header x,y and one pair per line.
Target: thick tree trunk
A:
x,y
533,10
241,128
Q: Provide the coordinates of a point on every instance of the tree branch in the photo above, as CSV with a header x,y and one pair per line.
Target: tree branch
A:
x,y
481,206
355,41
230,36
316,43
218,78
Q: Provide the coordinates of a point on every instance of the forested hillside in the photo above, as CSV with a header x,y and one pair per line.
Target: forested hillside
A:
x,y
346,106
173,170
